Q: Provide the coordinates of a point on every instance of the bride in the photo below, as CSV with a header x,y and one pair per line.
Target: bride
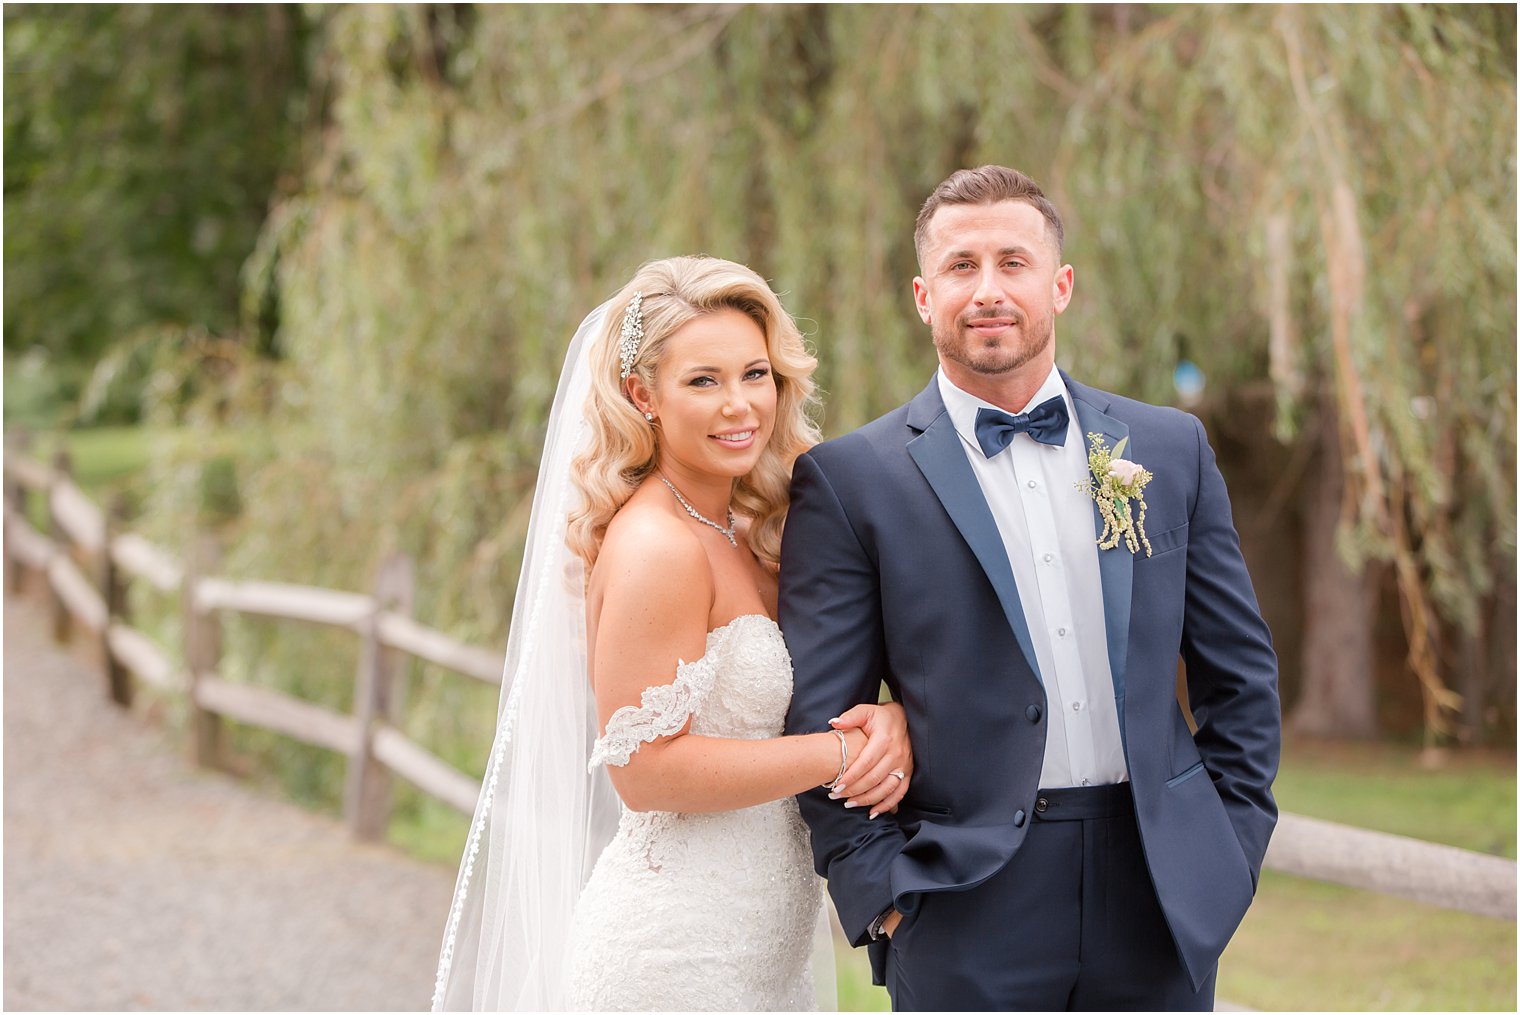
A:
x,y
651,570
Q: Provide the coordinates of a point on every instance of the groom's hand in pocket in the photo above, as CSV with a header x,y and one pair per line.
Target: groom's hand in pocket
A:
x,y
878,776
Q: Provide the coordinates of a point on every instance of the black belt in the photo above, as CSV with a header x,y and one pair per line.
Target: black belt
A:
x,y
1077,803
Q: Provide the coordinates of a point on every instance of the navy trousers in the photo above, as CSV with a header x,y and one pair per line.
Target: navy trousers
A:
x,y
1071,924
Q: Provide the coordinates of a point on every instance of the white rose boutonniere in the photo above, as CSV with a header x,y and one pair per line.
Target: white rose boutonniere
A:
x,y
1115,483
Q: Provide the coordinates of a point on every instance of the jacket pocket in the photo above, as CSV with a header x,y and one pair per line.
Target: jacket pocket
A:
x,y
1165,542
1185,776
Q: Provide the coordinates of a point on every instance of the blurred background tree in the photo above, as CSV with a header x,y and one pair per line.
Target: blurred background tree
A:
x,y
1311,208
143,145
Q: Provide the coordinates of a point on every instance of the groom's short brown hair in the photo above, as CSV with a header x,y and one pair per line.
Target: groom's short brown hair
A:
x,y
987,185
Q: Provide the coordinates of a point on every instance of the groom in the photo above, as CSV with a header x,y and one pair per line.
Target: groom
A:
x,y
1073,837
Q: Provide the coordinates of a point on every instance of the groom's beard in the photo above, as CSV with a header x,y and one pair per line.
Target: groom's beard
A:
x,y
1000,355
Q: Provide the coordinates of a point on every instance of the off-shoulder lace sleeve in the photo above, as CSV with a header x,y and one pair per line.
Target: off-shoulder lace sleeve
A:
x,y
661,712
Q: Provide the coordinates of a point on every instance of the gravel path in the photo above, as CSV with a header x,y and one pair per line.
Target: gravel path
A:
x,y
134,881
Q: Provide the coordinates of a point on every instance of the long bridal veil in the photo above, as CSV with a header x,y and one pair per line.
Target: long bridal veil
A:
x,y
542,819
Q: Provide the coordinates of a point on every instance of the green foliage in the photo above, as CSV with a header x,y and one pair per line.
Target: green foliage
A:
x,y
142,144
1299,199
426,828
37,392
1324,197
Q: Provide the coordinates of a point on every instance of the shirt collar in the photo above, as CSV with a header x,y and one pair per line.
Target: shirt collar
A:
x,y
962,405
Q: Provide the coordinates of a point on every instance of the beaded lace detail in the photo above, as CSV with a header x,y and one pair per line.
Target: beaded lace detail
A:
x,y
661,712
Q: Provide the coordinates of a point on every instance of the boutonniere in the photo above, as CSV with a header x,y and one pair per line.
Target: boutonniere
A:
x,y
1115,483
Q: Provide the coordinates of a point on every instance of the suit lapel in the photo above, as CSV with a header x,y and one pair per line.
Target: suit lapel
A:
x,y
938,453
1116,567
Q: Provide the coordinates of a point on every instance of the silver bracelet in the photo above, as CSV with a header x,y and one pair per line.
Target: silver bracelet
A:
x,y
844,760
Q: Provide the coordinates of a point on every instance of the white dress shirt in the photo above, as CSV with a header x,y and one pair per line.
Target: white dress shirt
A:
x,y
1046,521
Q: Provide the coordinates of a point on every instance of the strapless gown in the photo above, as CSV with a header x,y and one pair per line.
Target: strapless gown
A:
x,y
704,912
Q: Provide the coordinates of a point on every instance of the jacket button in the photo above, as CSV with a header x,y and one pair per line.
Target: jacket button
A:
x,y
1042,805
1018,819
1033,711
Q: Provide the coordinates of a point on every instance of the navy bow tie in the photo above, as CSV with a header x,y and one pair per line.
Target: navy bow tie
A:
x,y
1046,423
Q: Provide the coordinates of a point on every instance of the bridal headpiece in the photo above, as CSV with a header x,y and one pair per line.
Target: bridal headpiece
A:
x,y
632,335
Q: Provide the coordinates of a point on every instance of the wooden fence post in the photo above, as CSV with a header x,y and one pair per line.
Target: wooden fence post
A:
x,y
63,470
203,650
367,798
15,503
113,592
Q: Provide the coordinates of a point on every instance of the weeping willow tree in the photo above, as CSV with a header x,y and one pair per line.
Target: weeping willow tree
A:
x,y
1327,197
1353,196
1315,203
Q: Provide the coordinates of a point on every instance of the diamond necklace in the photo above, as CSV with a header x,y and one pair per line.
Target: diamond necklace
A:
x,y
728,533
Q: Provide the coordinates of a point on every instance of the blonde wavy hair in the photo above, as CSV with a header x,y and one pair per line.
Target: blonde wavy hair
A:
x,y
624,447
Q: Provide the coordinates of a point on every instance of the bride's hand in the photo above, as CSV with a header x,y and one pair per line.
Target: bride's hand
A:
x,y
871,779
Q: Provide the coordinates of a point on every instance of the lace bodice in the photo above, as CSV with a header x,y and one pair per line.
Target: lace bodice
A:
x,y
702,912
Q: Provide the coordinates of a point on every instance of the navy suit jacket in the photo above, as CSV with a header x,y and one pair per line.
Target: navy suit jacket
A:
x,y
892,569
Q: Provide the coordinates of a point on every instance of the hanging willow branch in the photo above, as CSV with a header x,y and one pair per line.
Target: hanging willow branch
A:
x,y
465,206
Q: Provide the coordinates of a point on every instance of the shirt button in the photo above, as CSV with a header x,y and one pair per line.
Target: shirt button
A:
x,y
1033,484
1087,782
1060,632
1048,557
1076,706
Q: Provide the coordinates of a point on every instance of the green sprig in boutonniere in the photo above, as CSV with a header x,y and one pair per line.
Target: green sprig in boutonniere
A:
x,y
1115,482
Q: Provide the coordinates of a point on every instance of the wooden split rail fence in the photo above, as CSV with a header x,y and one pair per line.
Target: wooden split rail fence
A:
x,y
87,559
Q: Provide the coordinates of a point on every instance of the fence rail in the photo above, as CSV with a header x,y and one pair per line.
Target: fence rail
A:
x,y
1394,865
82,541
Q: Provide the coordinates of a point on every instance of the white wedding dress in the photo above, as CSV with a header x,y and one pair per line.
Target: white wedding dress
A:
x,y
704,912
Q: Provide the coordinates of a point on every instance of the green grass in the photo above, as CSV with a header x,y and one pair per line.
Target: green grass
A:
x,y
1307,945
104,458
1310,946
106,461
1467,801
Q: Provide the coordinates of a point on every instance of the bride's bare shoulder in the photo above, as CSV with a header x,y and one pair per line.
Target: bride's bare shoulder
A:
x,y
650,553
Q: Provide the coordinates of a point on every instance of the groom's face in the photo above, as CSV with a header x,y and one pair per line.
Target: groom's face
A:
x,y
991,287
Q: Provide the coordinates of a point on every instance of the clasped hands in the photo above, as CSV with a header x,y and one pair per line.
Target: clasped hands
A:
x,y
880,757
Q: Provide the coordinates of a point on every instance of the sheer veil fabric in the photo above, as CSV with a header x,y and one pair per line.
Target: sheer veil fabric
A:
x,y
542,818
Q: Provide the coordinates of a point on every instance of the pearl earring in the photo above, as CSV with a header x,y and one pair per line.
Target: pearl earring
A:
x,y
649,416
